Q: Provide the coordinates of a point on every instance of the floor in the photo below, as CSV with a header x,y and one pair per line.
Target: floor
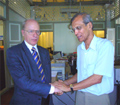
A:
x,y
6,97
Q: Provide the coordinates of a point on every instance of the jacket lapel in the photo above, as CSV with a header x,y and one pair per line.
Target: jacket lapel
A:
x,y
29,56
31,59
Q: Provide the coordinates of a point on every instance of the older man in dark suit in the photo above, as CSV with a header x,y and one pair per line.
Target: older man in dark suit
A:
x,y
31,78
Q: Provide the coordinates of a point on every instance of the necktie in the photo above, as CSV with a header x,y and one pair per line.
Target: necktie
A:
x,y
38,62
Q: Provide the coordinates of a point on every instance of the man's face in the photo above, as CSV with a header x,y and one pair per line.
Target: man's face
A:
x,y
81,30
30,32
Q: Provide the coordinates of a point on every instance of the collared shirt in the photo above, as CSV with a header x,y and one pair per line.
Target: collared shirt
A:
x,y
30,47
97,59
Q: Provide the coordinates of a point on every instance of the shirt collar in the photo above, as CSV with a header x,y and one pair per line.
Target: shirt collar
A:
x,y
92,44
30,46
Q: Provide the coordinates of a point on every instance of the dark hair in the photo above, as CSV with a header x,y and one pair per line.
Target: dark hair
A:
x,y
86,18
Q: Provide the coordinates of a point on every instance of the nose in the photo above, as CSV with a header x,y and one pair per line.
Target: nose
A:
x,y
76,32
35,33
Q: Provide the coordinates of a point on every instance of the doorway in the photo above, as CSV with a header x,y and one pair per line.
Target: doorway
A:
x,y
46,40
99,33
1,34
2,67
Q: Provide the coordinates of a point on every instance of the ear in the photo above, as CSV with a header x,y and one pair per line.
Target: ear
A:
x,y
22,31
90,25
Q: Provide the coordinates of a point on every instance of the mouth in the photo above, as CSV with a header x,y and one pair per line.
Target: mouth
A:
x,y
79,37
34,39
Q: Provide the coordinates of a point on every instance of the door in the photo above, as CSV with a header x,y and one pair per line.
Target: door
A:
x,y
14,33
117,42
13,37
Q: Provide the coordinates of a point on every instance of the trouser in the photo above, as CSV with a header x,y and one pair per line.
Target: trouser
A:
x,y
85,98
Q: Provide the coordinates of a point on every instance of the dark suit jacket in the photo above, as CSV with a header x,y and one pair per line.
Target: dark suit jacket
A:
x,y
28,89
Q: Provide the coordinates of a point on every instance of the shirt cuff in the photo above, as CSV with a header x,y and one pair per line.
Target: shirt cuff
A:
x,y
52,89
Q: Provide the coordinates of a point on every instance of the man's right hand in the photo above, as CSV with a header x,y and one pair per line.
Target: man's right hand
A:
x,y
58,91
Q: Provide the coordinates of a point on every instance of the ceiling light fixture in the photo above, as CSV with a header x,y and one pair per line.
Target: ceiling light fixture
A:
x,y
99,17
69,10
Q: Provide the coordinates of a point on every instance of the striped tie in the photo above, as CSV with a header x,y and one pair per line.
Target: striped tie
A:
x,y
38,62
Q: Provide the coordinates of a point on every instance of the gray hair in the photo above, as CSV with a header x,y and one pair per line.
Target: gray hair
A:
x,y
86,18
23,24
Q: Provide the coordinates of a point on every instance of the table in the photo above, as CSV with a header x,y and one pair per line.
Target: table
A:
x,y
58,67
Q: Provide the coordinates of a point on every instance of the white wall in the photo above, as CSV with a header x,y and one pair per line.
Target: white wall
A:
x,y
64,39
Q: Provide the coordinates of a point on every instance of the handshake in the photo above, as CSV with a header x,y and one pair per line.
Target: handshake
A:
x,y
60,87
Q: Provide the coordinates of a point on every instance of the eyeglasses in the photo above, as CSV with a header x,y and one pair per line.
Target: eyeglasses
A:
x,y
76,28
33,31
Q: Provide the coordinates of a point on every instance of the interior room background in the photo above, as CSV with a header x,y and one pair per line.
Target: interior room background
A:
x,y
55,29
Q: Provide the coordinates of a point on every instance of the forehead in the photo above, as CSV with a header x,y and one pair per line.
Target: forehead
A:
x,y
31,24
77,21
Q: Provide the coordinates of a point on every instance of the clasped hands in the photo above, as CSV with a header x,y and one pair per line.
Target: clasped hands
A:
x,y
60,87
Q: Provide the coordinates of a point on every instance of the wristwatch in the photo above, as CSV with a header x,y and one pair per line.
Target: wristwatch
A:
x,y
71,87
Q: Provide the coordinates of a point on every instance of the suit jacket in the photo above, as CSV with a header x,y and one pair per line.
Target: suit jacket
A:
x,y
28,89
